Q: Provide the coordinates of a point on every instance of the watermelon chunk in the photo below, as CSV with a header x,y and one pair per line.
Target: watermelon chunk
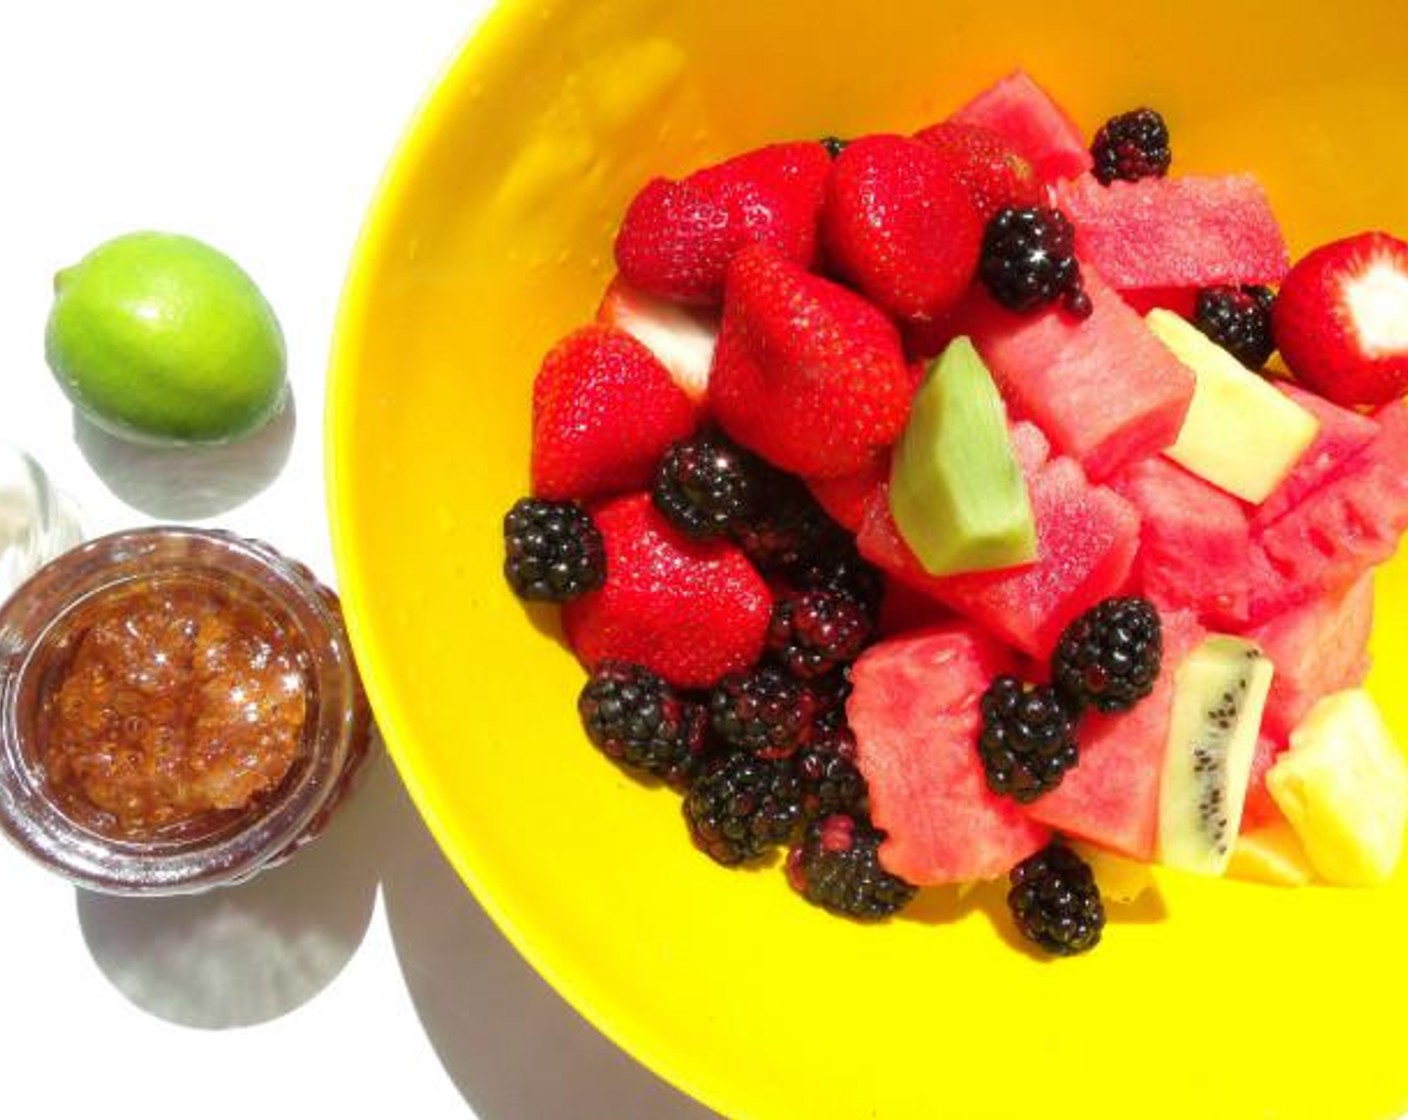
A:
x,y
1111,798
1260,807
844,498
1104,389
914,709
1086,540
1187,232
1038,129
1195,548
1181,301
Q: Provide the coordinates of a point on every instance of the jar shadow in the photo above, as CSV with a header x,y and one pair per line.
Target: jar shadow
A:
x,y
179,483
241,955
512,1046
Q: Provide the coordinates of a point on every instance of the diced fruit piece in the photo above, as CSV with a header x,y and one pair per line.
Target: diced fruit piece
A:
x,y
678,237
1317,648
1240,433
1194,542
1111,798
1341,435
988,167
1031,448
604,411
1218,695
1024,115
1121,879
681,337
956,491
806,373
1259,809
1086,540
1186,232
1181,301
689,611
1342,319
900,225
1056,371
844,498
1271,854
914,711
1343,786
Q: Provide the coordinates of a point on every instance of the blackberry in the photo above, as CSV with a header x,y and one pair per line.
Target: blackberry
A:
x,y
834,145
1238,320
705,485
763,710
1028,260
787,529
1027,742
739,806
1055,902
636,719
830,780
836,867
837,566
830,693
1109,657
1131,146
552,550
817,631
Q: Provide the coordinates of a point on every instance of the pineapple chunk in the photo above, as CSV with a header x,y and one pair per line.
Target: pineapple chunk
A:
x,y
1343,785
1240,433
1271,854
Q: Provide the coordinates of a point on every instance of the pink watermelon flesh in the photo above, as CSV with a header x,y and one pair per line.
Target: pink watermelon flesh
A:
x,y
1317,648
1038,129
1195,547
1342,434
1181,301
1340,530
1111,798
1030,446
1086,540
1260,807
914,709
1187,232
1104,389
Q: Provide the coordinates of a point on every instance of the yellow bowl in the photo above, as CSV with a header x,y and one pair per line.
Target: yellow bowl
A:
x,y
491,237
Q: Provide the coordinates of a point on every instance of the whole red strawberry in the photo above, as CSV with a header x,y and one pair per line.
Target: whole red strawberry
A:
x,y
687,610
678,237
900,225
604,411
1341,319
989,168
806,373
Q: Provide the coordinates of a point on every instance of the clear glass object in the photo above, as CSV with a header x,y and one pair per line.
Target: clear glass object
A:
x,y
37,523
41,627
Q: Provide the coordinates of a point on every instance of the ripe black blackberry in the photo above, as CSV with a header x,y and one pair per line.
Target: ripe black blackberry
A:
x,y
1028,739
552,550
764,710
1109,657
1131,146
1028,260
836,867
1055,902
637,720
739,806
830,693
837,566
815,632
787,528
830,780
1238,320
705,485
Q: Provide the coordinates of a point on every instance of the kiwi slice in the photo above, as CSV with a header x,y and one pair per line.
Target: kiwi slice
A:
x,y
956,491
1218,695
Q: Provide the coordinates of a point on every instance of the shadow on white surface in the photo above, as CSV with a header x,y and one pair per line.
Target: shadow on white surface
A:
x,y
188,483
247,954
512,1046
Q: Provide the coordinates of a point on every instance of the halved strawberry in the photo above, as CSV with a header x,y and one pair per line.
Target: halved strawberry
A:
x,y
989,167
681,337
1341,319
678,236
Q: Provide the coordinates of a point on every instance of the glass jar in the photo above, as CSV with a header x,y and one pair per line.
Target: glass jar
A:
x,y
150,681
37,523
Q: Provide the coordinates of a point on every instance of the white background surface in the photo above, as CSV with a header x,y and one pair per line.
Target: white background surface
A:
x,y
362,979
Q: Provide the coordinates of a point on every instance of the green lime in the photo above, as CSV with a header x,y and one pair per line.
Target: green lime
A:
x,y
158,337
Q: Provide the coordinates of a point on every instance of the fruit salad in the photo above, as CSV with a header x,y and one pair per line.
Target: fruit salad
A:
x,y
934,508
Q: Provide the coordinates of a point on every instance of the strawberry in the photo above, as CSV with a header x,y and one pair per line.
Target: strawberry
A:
x,y
688,610
989,168
900,225
681,337
1341,319
806,373
604,410
678,236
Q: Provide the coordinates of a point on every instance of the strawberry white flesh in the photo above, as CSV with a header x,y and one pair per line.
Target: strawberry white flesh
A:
x,y
682,338
1377,301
